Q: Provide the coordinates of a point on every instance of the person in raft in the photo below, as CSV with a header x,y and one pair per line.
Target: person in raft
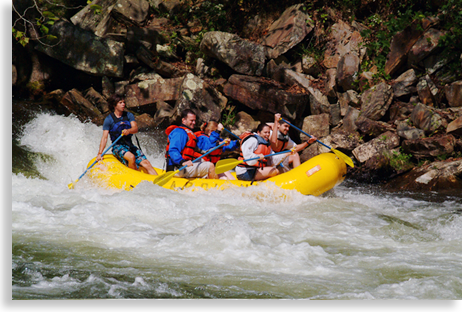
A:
x,y
208,138
181,150
280,141
121,122
255,145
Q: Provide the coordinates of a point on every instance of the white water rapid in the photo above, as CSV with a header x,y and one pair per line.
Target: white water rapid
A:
x,y
354,242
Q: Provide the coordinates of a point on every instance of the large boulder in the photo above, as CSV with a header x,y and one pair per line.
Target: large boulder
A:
x,y
376,101
408,132
454,93
349,121
400,110
444,177
85,51
265,95
342,40
425,45
244,122
152,60
77,104
427,119
151,91
315,125
384,142
455,127
371,127
347,99
347,70
403,85
163,115
319,103
425,93
243,56
131,12
95,98
99,22
196,94
430,147
402,43
289,30
110,18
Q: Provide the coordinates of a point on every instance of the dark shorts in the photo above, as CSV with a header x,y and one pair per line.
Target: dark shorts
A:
x,y
248,175
119,151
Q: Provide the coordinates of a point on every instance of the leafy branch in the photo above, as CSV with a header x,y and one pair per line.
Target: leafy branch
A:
x,y
43,23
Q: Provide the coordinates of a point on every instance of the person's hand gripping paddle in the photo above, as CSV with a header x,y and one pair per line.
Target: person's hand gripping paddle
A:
x,y
164,178
341,155
71,185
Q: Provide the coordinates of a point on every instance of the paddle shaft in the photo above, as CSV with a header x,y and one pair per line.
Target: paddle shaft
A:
x,y
199,158
228,164
270,155
164,178
345,158
304,132
231,133
104,152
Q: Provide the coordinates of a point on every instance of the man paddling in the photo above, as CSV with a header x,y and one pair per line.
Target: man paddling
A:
x,y
182,150
281,141
121,122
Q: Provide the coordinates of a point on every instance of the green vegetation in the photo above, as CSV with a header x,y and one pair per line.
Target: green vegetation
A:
x,y
382,18
399,160
35,21
229,116
393,17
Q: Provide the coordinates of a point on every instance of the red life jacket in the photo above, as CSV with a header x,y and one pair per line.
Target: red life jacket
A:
x,y
262,148
214,156
189,150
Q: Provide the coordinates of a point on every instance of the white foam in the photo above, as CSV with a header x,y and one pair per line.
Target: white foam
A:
x,y
348,244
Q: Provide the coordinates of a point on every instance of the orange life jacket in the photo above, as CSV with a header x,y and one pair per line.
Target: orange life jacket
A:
x,y
189,150
284,139
262,148
214,156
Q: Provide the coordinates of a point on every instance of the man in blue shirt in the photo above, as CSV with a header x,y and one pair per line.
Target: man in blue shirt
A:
x,y
182,150
120,122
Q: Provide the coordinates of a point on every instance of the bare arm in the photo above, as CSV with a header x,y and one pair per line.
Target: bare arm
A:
x,y
274,135
132,130
102,145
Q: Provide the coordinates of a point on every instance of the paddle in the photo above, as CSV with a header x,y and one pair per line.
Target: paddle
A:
x,y
228,164
71,185
231,133
164,178
345,158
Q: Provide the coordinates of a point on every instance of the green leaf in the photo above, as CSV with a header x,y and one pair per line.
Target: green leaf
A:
x,y
24,41
19,34
51,37
44,29
48,14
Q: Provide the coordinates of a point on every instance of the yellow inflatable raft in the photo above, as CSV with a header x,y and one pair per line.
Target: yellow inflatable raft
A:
x,y
314,177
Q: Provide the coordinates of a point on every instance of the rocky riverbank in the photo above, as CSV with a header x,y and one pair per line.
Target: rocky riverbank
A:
x,y
402,124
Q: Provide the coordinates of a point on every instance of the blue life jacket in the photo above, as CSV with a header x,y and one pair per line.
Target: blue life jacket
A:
x,y
119,125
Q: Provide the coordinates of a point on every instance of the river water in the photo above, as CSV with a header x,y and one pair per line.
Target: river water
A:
x,y
353,242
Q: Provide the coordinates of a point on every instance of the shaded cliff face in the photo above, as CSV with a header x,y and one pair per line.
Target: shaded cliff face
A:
x,y
387,101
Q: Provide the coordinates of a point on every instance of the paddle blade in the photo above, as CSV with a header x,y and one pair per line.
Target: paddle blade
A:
x,y
164,178
226,165
71,185
345,158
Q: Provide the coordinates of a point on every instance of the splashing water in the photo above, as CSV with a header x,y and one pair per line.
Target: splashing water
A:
x,y
353,242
